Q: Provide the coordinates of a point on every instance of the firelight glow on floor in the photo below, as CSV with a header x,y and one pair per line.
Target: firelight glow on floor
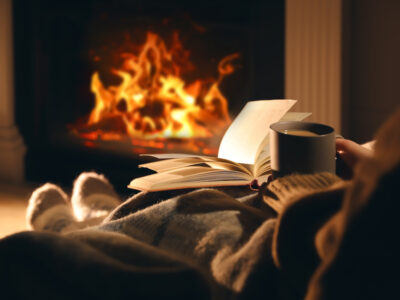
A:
x,y
13,202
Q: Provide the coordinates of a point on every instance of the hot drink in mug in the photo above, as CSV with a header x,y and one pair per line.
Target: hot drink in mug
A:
x,y
301,147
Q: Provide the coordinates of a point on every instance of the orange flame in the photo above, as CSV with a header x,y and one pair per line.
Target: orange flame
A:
x,y
154,101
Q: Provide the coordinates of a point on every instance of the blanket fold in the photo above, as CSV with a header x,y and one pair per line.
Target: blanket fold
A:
x,y
204,244
42,265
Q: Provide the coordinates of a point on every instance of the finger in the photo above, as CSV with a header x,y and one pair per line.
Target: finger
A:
x,y
351,152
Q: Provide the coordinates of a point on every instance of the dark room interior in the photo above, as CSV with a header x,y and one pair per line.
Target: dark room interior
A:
x,y
119,126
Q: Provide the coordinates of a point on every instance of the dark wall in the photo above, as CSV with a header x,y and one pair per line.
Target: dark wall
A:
x,y
372,65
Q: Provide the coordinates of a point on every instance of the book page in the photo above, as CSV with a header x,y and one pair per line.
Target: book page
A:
x,y
230,167
190,177
176,163
243,138
295,116
173,163
175,155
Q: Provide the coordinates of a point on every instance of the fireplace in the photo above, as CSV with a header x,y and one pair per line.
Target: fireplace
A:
x,y
100,82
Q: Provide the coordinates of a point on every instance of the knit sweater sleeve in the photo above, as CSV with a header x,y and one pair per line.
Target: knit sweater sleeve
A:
x,y
285,190
303,203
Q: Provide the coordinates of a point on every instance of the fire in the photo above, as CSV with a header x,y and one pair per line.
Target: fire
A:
x,y
154,102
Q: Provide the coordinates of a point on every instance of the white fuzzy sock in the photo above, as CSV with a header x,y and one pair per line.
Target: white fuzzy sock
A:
x,y
93,196
49,209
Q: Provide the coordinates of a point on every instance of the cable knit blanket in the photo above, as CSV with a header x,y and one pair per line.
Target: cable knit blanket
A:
x,y
173,245
202,244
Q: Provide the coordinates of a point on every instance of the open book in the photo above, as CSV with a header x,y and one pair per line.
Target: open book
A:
x,y
243,154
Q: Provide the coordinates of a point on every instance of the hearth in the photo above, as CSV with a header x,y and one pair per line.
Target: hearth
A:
x,y
100,82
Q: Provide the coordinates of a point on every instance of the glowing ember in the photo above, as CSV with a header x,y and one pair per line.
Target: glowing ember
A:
x,y
153,103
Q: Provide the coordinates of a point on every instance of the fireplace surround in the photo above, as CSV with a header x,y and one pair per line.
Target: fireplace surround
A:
x,y
53,42
12,147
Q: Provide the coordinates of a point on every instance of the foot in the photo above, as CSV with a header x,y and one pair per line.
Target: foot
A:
x,y
93,196
48,209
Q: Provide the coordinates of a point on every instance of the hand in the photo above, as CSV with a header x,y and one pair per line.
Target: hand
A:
x,y
349,154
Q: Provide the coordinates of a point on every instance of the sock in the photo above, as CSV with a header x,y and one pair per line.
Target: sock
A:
x,y
93,196
49,209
